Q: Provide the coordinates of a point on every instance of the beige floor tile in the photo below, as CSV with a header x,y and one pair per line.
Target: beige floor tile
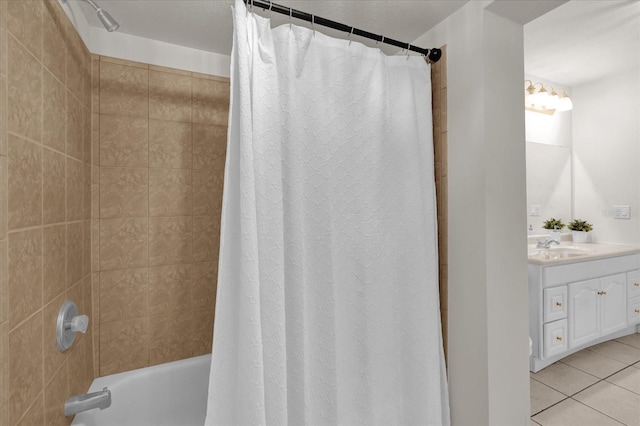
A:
x,y
542,396
564,378
636,365
613,401
573,413
629,378
594,363
532,423
618,351
631,340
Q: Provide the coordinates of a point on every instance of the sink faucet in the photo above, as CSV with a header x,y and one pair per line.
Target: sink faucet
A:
x,y
79,403
547,243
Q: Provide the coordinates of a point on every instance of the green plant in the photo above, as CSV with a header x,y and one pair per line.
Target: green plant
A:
x,y
580,225
553,224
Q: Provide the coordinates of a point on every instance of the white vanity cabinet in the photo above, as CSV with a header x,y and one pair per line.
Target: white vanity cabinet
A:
x,y
574,304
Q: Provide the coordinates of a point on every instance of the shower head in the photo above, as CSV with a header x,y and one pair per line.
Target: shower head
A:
x,y
105,18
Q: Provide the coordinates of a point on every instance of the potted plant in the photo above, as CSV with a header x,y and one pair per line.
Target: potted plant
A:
x,y
579,229
553,224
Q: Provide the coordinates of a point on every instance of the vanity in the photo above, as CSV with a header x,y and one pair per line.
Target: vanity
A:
x,y
580,295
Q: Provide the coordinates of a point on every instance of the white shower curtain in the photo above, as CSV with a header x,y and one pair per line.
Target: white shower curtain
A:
x,y
327,310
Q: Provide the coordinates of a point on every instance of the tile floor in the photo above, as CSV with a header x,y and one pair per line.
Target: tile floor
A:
x,y
597,386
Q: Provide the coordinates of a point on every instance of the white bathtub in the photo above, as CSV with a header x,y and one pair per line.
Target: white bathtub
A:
x,y
171,394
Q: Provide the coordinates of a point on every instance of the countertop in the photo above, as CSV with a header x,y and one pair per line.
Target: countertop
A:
x,y
570,252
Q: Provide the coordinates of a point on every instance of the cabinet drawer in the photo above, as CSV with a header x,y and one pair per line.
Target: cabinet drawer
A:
x,y
555,338
555,303
633,284
633,312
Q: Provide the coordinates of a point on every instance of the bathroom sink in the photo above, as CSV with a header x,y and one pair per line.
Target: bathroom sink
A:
x,y
558,252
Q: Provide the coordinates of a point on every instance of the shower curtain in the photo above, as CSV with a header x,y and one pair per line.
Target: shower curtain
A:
x,y
327,309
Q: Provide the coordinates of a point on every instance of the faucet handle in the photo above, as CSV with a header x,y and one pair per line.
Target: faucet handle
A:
x,y
79,323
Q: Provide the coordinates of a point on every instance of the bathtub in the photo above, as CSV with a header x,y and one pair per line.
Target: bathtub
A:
x,y
171,394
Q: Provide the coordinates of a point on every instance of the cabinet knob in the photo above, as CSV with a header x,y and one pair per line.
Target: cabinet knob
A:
x,y
559,338
559,304
599,293
636,284
604,293
637,311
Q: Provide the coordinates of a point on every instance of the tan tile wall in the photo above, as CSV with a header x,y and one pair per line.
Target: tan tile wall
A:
x,y
45,152
439,102
160,139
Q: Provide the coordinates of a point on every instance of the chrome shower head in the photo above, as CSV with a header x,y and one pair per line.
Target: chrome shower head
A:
x,y
105,18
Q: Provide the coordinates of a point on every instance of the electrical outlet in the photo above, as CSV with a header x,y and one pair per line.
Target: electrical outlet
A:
x,y
534,210
621,212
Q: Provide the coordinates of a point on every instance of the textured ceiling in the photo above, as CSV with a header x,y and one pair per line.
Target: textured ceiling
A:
x,y
207,25
582,41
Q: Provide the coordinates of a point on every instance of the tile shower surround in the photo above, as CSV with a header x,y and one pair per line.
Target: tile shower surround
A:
x,y
158,165
110,193
45,183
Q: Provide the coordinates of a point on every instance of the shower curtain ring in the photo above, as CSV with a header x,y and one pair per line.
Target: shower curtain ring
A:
x,y
313,24
290,13
270,6
350,33
408,49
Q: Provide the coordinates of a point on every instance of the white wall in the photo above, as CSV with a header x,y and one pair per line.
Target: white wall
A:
x,y
606,146
488,300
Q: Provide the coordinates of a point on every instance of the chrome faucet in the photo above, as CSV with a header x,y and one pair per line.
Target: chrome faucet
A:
x,y
547,243
79,403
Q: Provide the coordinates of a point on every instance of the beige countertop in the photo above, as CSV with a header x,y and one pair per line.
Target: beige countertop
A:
x,y
570,252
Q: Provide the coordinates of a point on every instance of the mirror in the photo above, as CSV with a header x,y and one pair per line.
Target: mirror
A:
x,y
548,184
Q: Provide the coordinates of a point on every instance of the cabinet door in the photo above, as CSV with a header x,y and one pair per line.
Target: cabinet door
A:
x,y
633,284
583,312
613,299
633,312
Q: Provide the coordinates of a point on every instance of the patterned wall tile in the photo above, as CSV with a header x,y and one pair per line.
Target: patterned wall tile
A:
x,y
124,294
25,274
207,192
124,192
124,345
54,50
169,144
170,240
167,338
25,365
74,127
24,22
74,253
54,112
123,243
25,183
53,186
75,183
124,90
169,96
210,101
169,192
124,141
54,261
206,239
209,146
169,289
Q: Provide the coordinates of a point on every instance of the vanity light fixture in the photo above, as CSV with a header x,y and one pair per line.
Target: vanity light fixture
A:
x,y
540,100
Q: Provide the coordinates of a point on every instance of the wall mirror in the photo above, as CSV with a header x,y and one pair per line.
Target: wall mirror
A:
x,y
548,185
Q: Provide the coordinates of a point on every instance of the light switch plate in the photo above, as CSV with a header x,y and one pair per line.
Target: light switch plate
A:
x,y
621,212
534,210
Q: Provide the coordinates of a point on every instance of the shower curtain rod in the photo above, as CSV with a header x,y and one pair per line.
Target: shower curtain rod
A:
x,y
432,54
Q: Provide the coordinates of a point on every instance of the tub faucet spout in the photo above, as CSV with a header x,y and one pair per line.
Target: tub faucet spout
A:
x,y
79,403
